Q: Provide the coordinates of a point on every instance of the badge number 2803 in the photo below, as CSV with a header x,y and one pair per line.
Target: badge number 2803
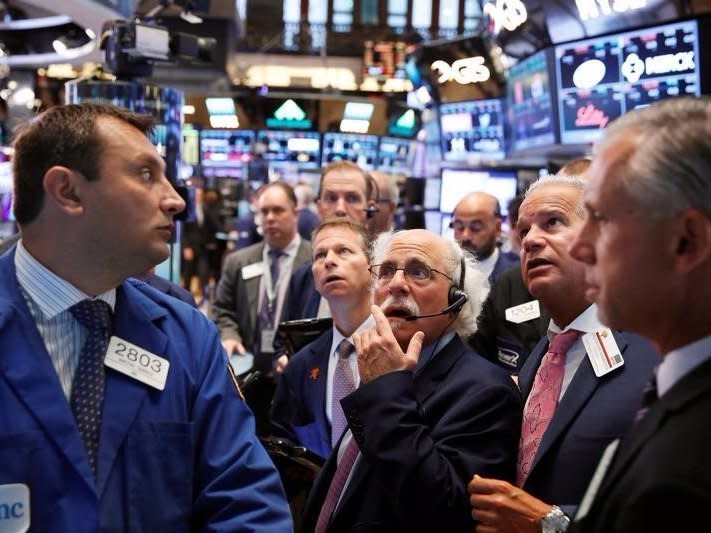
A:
x,y
136,362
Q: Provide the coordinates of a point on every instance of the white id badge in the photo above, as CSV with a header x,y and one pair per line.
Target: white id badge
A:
x,y
603,351
267,345
14,508
523,312
252,271
133,361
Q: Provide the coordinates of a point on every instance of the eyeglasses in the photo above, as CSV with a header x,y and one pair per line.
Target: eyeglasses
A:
x,y
414,271
474,226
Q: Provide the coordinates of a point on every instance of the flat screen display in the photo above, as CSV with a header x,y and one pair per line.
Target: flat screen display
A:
x,y
601,79
360,149
472,130
456,183
394,155
225,153
433,188
530,103
301,149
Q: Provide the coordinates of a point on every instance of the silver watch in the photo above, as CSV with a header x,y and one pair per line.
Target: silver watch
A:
x,y
556,521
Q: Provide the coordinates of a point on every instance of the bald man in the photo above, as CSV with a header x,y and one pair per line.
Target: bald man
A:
x,y
477,228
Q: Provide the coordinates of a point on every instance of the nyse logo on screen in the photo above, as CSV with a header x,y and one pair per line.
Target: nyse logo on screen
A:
x,y
592,9
508,14
633,68
467,70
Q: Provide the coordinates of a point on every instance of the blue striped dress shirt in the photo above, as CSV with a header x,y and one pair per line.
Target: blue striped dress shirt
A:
x,y
49,298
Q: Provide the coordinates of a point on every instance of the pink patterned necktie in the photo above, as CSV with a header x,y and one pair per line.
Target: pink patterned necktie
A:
x,y
340,476
343,385
543,400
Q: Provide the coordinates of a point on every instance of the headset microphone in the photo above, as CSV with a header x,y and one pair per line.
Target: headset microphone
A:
x,y
454,307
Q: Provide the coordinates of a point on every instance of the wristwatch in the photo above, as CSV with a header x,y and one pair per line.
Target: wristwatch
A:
x,y
556,521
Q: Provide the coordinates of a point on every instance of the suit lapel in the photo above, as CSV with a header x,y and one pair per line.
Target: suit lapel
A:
x,y
252,286
135,320
681,394
27,368
530,367
322,354
579,391
427,379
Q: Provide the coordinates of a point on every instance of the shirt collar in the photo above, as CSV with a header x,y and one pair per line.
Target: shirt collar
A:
x,y
587,322
52,294
289,249
680,362
338,336
487,265
428,352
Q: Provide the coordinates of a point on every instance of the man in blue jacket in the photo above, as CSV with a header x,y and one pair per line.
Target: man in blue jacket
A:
x,y
142,432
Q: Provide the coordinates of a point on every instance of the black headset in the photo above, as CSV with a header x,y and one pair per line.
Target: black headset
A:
x,y
372,209
457,297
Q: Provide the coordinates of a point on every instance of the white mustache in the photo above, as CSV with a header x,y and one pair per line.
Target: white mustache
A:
x,y
405,302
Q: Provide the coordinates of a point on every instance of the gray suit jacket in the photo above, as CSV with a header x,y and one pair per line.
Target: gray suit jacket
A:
x,y
235,308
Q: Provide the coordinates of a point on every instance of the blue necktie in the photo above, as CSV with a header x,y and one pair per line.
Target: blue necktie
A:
x,y
88,386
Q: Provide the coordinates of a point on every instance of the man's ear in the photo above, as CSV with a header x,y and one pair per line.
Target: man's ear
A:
x,y
60,188
692,240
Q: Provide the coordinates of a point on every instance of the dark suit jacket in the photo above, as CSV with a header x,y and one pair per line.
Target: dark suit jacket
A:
x,y
301,299
660,477
298,410
505,261
422,436
235,308
496,338
592,413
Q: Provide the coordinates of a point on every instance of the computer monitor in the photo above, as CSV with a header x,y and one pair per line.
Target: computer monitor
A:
x,y
530,103
394,155
456,183
601,79
298,149
472,130
225,153
361,149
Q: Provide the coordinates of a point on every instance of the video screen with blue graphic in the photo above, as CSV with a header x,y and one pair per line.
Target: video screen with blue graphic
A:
x,y
361,149
225,153
301,149
394,155
530,108
472,129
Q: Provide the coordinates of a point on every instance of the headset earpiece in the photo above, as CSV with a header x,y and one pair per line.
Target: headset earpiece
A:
x,y
372,208
457,297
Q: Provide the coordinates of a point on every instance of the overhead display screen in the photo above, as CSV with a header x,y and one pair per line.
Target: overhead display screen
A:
x,y
456,183
472,130
301,149
601,79
225,152
530,103
360,149
394,155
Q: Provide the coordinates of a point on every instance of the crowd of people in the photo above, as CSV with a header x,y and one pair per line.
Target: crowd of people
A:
x,y
456,387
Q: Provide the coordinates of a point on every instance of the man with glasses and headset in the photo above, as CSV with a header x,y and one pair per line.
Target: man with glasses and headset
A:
x,y
477,228
428,412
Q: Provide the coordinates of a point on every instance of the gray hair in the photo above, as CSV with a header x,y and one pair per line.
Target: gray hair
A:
x,y
670,169
476,284
560,179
